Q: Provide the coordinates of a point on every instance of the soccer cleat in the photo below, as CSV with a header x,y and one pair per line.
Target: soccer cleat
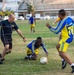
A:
x,y
33,31
64,64
72,69
1,61
26,58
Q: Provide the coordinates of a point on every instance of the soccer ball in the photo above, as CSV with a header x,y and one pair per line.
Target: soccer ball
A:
x,y
43,60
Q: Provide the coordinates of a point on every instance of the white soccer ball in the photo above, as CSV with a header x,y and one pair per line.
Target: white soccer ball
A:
x,y
43,60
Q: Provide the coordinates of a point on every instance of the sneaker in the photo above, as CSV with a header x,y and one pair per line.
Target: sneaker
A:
x,y
34,31
64,64
26,57
29,57
72,69
1,61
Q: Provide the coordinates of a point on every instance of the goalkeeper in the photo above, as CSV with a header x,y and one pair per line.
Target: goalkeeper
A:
x,y
33,49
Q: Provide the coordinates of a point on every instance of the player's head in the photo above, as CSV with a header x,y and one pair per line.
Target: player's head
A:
x,y
62,13
11,18
39,40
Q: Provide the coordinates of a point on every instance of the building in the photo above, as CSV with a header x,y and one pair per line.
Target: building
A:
x,y
48,7
43,7
11,5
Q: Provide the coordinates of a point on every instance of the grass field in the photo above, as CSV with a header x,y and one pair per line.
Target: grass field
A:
x,y
15,64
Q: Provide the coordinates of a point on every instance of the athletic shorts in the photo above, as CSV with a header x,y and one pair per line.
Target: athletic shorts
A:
x,y
64,44
7,41
29,51
32,25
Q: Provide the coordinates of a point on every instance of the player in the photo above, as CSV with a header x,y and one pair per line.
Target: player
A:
x,y
65,26
33,49
7,26
32,22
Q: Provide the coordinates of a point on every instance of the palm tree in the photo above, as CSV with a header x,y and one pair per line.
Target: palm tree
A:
x,y
30,8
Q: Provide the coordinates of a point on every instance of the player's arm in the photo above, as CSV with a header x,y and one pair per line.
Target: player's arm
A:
x,y
33,43
29,20
34,56
18,31
44,48
57,20
58,28
35,21
20,34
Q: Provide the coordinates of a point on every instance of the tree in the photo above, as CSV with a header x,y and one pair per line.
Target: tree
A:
x,y
30,8
5,13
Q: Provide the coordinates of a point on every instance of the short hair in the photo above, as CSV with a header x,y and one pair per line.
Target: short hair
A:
x,y
11,15
39,38
62,12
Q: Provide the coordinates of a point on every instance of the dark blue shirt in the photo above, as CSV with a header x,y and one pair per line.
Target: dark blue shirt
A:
x,y
31,20
7,28
32,45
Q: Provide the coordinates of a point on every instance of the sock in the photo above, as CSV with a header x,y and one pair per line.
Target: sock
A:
x,y
62,59
72,64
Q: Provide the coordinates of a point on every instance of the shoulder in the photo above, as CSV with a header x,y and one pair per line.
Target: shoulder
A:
x,y
14,23
42,43
69,19
33,40
4,21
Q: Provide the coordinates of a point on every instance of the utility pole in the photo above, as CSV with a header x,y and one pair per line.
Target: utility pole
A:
x,y
3,5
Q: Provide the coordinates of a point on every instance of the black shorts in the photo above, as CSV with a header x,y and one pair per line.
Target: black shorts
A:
x,y
7,41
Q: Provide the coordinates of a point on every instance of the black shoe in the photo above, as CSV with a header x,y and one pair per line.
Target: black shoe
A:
x,y
64,64
8,52
1,61
26,57
0,56
72,69
34,31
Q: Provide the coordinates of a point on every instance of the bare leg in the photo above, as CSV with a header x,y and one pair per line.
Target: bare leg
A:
x,y
33,29
64,55
6,49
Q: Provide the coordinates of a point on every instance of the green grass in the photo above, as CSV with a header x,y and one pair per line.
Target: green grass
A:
x,y
15,64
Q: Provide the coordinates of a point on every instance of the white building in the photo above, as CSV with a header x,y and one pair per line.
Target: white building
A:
x,y
44,7
48,7
11,5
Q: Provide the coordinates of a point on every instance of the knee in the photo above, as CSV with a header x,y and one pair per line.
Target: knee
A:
x,y
7,46
61,54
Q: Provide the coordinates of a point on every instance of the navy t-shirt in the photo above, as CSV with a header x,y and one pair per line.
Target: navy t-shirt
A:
x,y
7,28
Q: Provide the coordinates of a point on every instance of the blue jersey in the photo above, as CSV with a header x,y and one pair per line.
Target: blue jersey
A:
x,y
65,26
32,20
32,46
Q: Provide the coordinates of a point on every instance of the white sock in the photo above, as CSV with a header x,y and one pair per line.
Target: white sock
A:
x,y
72,64
62,59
